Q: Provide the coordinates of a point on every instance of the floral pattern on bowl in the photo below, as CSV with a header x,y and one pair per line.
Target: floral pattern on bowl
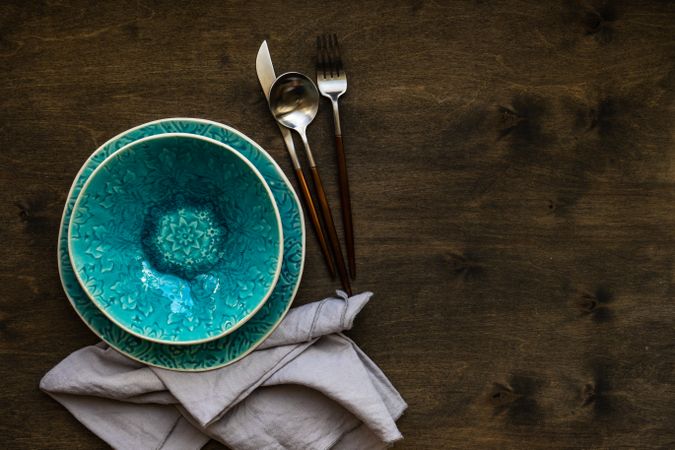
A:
x,y
177,239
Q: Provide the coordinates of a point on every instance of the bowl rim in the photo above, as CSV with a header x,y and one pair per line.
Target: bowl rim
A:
x,y
270,196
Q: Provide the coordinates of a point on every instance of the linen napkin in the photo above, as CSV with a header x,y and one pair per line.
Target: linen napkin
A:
x,y
306,387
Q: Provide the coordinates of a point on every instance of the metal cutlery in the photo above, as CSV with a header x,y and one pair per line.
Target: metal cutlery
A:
x,y
266,76
332,81
294,102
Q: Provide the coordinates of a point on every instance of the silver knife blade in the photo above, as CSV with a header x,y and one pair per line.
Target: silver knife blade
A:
x,y
266,76
265,69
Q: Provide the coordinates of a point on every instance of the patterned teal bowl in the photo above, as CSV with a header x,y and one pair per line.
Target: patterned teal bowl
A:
x,y
177,239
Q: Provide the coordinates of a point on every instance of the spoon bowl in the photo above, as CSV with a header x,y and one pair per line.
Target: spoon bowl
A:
x,y
294,100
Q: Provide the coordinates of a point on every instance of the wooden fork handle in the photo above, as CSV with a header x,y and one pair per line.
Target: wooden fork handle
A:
x,y
346,204
314,217
332,233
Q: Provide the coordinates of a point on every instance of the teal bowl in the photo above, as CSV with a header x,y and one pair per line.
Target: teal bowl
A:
x,y
177,239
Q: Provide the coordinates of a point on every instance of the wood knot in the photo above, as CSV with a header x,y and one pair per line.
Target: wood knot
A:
x,y
596,393
24,210
463,266
596,22
516,400
522,122
36,213
596,304
588,394
502,396
565,200
587,304
603,116
592,22
509,120
5,329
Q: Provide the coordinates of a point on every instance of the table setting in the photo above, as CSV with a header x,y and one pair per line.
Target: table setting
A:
x,y
182,246
317,225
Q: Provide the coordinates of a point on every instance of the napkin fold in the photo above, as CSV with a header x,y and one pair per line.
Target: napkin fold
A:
x,y
307,386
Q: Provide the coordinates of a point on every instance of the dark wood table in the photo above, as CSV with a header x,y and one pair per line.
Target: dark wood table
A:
x,y
513,180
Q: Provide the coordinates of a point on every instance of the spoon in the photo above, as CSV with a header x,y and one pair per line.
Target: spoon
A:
x,y
294,102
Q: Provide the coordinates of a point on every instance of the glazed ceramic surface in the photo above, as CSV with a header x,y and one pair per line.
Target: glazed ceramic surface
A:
x,y
177,238
237,344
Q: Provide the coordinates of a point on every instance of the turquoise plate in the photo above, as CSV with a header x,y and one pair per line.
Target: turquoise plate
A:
x,y
225,350
176,238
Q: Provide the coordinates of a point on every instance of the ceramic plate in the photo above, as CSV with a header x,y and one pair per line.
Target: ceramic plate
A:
x,y
230,348
176,238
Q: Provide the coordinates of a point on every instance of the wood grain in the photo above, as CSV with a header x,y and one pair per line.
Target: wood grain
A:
x,y
512,170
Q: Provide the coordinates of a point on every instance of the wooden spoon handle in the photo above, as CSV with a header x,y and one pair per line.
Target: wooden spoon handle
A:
x,y
314,217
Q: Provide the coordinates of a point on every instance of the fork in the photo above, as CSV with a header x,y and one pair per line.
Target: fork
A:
x,y
332,81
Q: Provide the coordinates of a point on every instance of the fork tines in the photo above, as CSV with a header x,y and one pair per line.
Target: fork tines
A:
x,y
328,55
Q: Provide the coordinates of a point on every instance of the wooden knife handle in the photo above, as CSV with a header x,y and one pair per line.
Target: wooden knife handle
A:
x,y
332,233
314,217
346,204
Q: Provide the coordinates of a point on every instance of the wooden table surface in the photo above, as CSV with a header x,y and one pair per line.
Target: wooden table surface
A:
x,y
513,182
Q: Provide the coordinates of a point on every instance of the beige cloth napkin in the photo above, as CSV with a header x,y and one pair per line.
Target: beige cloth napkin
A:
x,y
306,387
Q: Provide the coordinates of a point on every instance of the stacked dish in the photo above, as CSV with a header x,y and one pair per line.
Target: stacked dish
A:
x,y
181,244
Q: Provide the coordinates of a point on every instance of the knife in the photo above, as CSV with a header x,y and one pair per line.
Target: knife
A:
x,y
266,76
